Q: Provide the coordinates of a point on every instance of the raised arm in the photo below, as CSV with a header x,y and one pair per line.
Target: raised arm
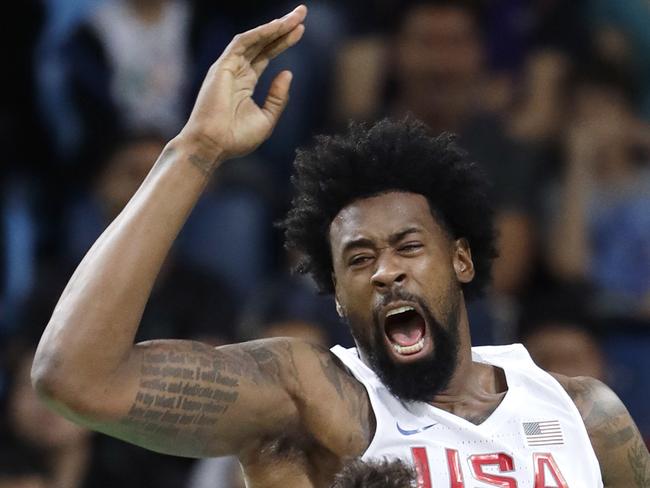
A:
x,y
622,454
172,396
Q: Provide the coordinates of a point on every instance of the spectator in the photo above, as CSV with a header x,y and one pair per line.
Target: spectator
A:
x,y
566,348
131,66
187,299
560,335
234,220
621,31
599,218
140,50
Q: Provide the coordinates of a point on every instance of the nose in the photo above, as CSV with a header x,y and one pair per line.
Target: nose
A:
x,y
389,273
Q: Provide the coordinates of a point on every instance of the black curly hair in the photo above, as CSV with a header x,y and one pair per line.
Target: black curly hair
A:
x,y
376,474
391,155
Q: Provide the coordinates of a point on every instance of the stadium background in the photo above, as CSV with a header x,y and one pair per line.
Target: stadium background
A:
x,y
551,97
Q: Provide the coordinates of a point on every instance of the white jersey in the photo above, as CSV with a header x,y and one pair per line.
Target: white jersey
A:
x,y
534,439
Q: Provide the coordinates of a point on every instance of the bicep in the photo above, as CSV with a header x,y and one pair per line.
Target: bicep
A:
x,y
622,454
187,398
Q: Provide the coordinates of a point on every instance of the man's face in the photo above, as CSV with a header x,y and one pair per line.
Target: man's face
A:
x,y
439,42
397,275
439,59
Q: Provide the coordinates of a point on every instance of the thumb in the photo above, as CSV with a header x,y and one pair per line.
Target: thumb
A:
x,y
277,97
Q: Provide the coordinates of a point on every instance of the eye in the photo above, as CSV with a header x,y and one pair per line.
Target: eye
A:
x,y
410,247
359,260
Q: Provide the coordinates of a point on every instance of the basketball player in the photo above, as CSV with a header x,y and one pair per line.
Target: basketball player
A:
x,y
393,222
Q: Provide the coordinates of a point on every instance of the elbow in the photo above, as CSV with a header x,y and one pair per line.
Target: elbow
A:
x,y
69,391
56,389
46,376
53,383
47,364
53,374
66,377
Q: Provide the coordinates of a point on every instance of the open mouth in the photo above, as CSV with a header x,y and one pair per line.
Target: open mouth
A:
x,y
405,329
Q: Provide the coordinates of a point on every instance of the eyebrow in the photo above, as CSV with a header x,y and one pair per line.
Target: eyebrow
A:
x,y
364,242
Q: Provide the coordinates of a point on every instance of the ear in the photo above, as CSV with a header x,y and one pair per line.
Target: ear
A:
x,y
462,260
339,308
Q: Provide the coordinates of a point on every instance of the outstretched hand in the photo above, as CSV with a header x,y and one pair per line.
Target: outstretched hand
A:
x,y
225,120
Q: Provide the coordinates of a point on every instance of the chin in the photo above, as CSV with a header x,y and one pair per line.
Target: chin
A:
x,y
416,380
418,362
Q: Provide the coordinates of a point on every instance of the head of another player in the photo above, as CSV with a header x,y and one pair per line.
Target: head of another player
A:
x,y
397,224
376,474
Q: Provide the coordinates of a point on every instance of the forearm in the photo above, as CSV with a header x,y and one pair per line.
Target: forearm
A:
x,y
90,335
87,365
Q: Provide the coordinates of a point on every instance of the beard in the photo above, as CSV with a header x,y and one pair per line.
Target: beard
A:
x,y
422,379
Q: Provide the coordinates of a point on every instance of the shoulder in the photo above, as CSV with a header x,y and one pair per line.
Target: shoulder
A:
x,y
332,396
290,361
605,417
295,360
618,445
325,391
595,401
320,372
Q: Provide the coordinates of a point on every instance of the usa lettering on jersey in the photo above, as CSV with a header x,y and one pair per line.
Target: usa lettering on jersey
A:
x,y
492,469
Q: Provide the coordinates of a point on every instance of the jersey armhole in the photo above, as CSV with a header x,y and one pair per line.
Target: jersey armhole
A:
x,y
350,362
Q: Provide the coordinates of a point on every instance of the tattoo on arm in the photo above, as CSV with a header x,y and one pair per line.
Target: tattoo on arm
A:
x,y
206,166
184,401
267,359
182,388
637,456
203,164
332,373
349,391
620,449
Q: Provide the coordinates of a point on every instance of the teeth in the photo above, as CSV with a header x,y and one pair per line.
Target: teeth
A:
x,y
417,347
395,311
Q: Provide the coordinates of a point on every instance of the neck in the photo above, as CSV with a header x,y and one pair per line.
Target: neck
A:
x,y
476,389
464,378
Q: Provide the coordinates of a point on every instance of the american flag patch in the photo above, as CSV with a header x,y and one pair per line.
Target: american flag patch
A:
x,y
545,433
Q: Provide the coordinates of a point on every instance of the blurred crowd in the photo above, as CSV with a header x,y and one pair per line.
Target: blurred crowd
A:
x,y
551,97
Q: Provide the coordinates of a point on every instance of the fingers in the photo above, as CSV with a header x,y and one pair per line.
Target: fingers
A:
x,y
277,47
277,97
254,41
